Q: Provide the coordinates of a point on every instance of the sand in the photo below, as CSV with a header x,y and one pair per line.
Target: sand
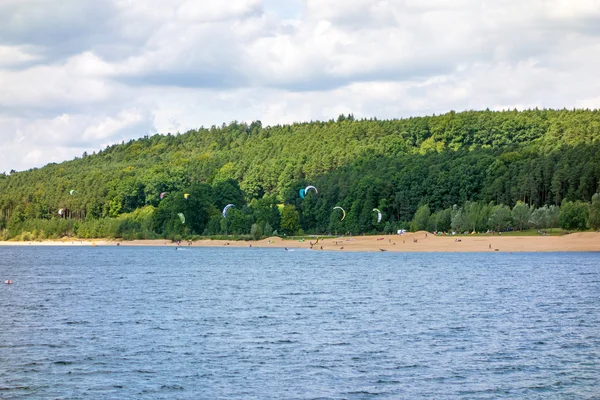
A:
x,y
409,242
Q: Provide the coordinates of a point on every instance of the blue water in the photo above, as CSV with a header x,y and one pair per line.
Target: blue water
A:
x,y
240,323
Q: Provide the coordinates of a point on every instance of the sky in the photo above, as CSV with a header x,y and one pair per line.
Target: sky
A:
x,y
78,75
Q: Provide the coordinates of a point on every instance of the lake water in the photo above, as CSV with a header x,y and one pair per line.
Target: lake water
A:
x,y
241,323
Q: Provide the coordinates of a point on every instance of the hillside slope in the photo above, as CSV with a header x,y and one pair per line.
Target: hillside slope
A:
x,y
536,156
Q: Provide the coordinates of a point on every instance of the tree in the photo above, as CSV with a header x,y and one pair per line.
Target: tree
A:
x,y
255,231
444,220
228,192
573,215
594,217
432,225
214,225
290,220
539,218
265,211
268,230
388,228
472,211
552,217
521,214
459,221
500,218
239,222
421,219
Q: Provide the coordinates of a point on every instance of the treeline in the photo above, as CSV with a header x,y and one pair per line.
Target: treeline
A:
x,y
481,217
263,218
399,185
539,157
197,211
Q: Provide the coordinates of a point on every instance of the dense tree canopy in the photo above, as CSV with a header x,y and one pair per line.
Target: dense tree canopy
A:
x,y
468,168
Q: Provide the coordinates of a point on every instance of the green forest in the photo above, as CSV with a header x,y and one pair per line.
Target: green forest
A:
x,y
463,172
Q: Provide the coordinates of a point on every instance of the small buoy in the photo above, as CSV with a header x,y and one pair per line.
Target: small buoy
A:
x,y
8,282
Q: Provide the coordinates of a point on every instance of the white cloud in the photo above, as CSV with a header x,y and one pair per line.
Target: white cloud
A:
x,y
83,74
48,87
15,55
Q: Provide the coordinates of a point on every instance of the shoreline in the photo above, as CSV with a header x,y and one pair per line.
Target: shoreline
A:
x,y
408,242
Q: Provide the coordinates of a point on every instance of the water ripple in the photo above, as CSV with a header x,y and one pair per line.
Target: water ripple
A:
x,y
136,323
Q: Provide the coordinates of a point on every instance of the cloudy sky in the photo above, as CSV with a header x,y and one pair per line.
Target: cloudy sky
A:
x,y
77,75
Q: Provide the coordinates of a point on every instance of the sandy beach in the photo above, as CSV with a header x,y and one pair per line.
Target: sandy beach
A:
x,y
409,242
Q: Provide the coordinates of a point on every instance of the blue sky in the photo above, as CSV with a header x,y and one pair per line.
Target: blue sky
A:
x,y
286,9
78,75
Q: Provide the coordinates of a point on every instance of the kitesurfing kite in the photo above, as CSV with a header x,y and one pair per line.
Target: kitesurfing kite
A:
x,y
181,217
378,214
162,195
227,207
60,212
302,193
72,192
343,212
186,195
306,189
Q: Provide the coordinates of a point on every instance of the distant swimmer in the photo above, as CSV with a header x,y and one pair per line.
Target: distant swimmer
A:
x,y
8,282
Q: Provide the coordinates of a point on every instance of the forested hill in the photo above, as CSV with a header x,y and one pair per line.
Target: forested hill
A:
x,y
540,157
